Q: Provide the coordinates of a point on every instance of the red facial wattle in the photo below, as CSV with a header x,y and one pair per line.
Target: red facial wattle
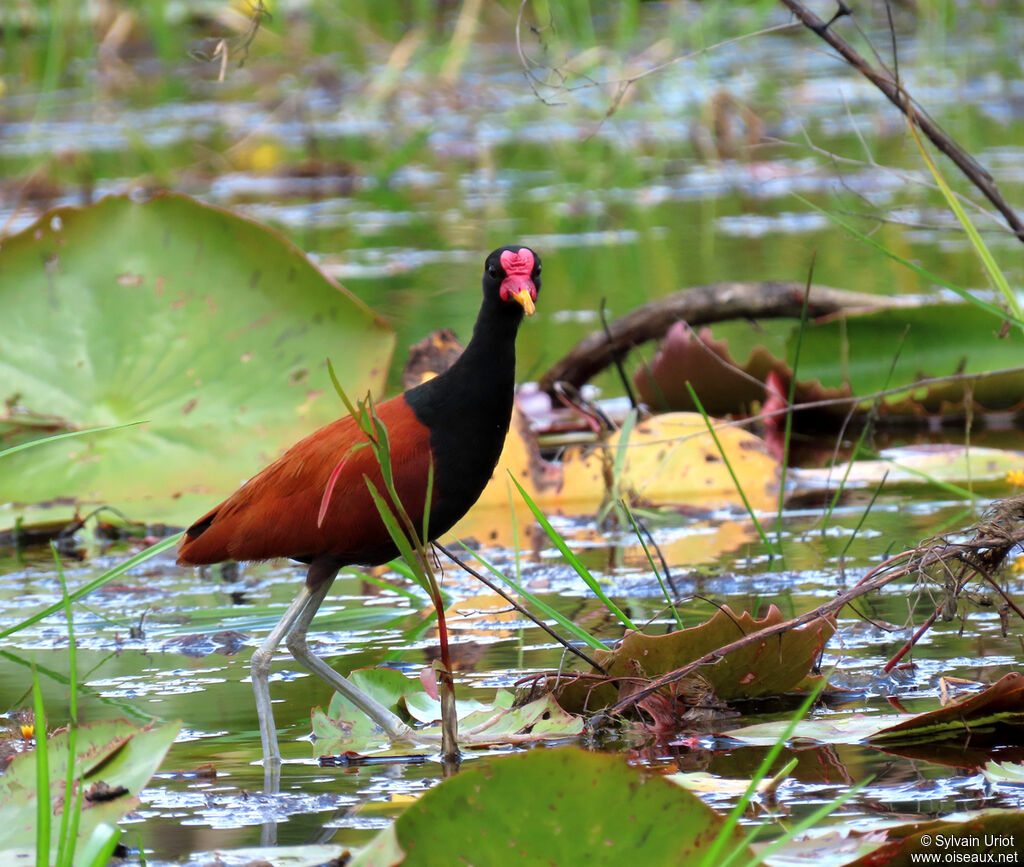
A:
x,y
518,284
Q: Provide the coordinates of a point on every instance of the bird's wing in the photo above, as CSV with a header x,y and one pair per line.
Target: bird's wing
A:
x,y
277,513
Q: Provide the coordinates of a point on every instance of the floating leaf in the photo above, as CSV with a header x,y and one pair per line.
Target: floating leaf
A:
x,y
115,753
916,464
1004,772
1001,704
991,837
544,807
344,727
774,666
208,327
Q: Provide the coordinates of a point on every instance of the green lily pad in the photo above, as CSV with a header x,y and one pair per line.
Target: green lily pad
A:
x,y
551,807
889,348
115,753
211,329
345,728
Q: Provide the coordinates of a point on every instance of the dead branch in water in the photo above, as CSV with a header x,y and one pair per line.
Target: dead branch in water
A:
x,y
702,305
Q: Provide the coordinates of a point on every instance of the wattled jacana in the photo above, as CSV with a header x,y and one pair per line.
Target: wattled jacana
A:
x,y
456,422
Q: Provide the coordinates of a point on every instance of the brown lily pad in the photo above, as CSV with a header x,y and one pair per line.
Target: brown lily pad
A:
x,y
776,665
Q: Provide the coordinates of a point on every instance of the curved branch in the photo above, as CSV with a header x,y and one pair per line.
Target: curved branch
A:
x,y
701,305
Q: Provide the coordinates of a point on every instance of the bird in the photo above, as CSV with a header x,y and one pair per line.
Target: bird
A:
x,y
313,504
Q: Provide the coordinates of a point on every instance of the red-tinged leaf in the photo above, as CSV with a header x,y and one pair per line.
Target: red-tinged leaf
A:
x,y
328,490
428,677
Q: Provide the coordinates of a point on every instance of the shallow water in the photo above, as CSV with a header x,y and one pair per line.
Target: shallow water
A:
x,y
190,662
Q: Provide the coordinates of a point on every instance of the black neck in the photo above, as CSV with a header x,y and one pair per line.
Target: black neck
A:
x,y
483,376
468,409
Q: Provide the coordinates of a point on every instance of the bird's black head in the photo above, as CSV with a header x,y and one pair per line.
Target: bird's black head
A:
x,y
512,275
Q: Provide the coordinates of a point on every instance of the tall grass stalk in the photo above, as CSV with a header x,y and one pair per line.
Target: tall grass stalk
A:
x,y
657,572
788,429
571,558
69,817
980,248
917,269
618,463
42,777
61,24
100,847
409,539
864,515
868,425
74,433
732,472
716,855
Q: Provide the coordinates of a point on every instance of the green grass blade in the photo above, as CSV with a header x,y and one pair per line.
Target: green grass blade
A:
x,y
981,249
68,818
949,487
713,856
623,446
793,831
650,560
788,424
99,849
578,632
728,466
570,557
43,805
352,411
917,269
868,426
864,515
63,436
397,535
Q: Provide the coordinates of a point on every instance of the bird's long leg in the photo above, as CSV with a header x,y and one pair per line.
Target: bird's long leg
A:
x,y
394,728
260,669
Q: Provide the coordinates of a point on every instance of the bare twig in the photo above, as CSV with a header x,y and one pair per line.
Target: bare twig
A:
x,y
483,579
622,86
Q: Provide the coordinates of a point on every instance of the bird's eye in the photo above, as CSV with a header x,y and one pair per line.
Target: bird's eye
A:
x,y
492,271
538,270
